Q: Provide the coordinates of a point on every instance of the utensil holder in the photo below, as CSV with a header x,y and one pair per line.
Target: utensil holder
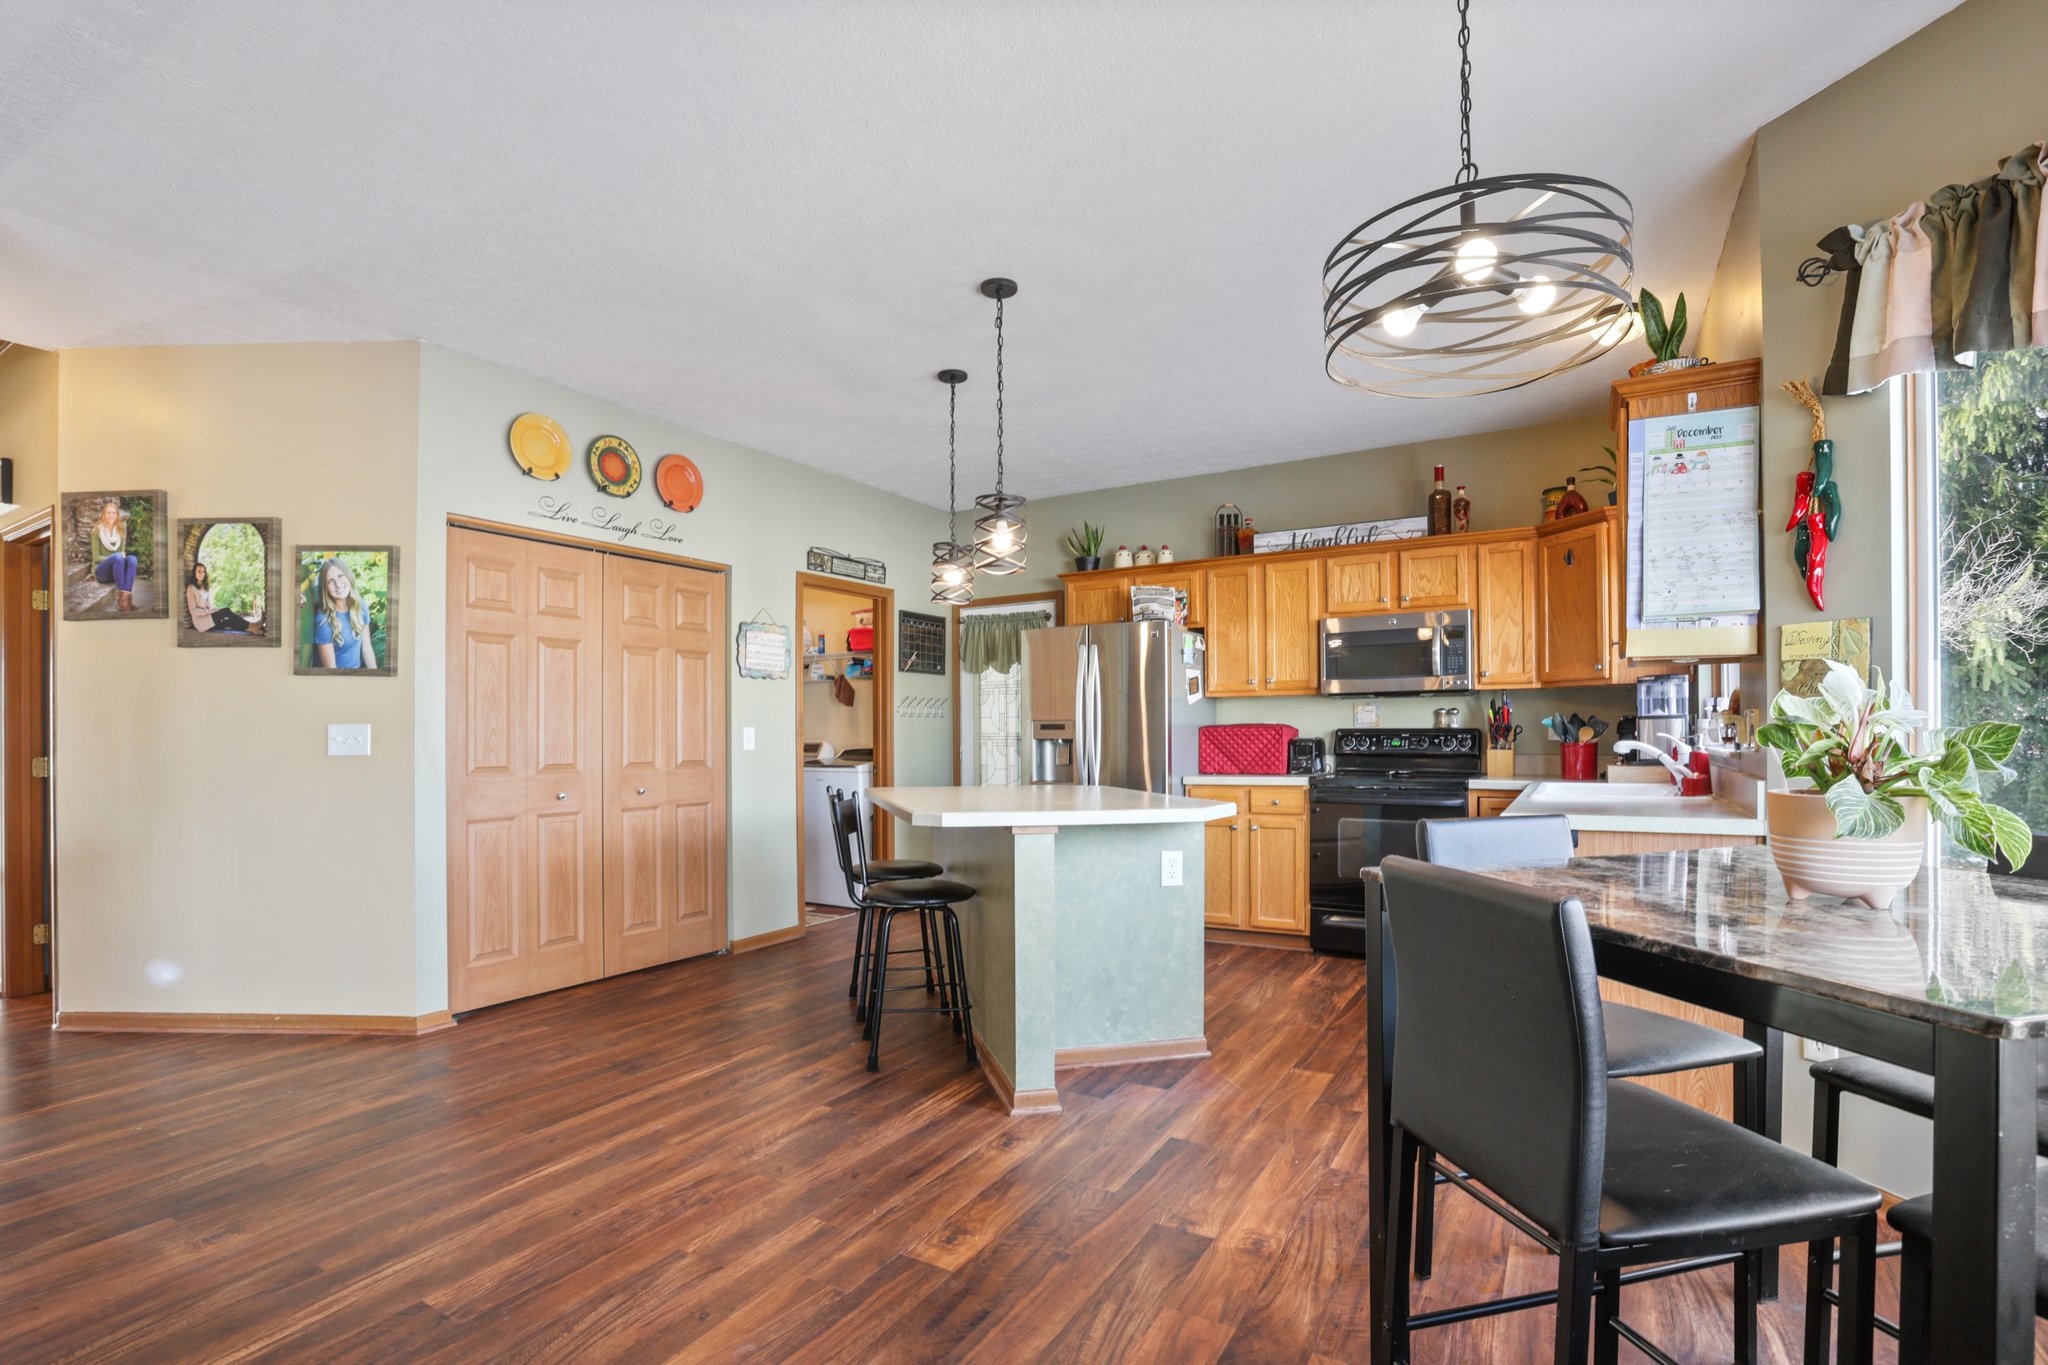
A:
x,y
1581,761
1500,762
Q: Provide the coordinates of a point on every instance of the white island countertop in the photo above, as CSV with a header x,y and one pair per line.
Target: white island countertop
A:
x,y
1633,808
1050,805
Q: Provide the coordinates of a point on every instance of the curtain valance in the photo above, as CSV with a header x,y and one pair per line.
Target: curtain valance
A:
x,y
995,643
1950,277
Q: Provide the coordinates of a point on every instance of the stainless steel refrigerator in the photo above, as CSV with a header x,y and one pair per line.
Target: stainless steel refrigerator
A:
x,y
1114,705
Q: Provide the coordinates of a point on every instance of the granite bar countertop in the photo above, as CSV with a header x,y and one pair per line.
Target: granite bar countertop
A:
x,y
1959,948
1052,804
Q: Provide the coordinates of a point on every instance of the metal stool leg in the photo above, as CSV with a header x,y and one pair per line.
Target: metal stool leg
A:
x,y
963,1018
1425,1217
876,997
860,936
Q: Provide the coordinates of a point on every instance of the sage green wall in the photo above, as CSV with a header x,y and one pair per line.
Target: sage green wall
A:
x,y
28,428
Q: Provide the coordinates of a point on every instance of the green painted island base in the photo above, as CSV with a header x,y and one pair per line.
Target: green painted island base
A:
x,y
1076,955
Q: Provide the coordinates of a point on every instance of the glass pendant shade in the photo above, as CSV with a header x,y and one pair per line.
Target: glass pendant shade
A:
x,y
1483,285
999,534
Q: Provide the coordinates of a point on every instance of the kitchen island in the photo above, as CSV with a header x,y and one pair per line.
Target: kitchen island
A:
x,y
1077,954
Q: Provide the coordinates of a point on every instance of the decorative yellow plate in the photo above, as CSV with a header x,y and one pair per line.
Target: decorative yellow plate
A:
x,y
541,446
614,465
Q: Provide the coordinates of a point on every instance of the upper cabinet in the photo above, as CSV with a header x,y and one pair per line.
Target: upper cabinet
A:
x,y
1098,599
1292,639
1262,626
1505,620
1358,582
1432,576
1232,590
1573,639
1188,581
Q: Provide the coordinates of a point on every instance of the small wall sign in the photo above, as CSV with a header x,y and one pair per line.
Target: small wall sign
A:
x,y
761,649
1349,533
818,559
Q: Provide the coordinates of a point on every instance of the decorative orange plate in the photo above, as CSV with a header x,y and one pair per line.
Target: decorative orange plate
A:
x,y
679,482
540,445
614,465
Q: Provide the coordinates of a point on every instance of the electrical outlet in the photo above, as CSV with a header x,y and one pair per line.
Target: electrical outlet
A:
x,y
747,737
1169,867
1818,1052
348,741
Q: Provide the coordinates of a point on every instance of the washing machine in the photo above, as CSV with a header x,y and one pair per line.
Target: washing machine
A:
x,y
824,883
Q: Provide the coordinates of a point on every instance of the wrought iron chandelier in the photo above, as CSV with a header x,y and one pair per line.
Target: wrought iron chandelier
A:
x,y
1483,285
952,562
999,530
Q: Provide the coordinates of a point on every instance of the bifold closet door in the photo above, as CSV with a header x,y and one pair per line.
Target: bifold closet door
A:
x,y
525,775
664,738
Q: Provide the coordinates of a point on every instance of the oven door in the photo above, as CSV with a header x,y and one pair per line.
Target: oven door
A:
x,y
1410,651
1349,832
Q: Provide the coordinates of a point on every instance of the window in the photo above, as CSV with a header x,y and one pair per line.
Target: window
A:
x,y
1990,570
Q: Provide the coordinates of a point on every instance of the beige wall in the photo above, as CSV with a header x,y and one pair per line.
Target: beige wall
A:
x,y
211,858
28,428
1732,324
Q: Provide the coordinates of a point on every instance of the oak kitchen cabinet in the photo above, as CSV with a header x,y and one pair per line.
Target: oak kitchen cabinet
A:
x,y
1262,617
1103,597
1578,628
1506,615
1256,860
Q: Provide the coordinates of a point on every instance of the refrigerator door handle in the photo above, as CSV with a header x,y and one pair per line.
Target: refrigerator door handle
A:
x,y
1080,764
1095,715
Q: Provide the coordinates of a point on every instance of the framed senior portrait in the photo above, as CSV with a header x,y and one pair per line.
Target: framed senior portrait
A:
x,y
347,599
229,571
115,565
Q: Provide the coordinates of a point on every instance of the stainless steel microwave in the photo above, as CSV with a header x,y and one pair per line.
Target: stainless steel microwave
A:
x,y
1405,651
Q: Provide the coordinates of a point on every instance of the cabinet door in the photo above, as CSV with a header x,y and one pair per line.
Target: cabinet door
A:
x,y
1435,576
1506,619
1358,583
1231,598
1573,616
1278,873
1293,593
1188,581
1486,805
1223,856
1098,600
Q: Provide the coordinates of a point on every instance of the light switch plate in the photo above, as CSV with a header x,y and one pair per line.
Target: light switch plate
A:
x,y
348,741
746,737
1169,867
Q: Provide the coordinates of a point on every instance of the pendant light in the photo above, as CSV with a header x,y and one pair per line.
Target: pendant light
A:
x,y
952,562
1483,285
999,530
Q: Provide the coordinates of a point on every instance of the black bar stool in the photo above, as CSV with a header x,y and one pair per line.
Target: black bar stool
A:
x,y
1639,1042
1914,1221
1896,1087
1500,1062
878,870
932,900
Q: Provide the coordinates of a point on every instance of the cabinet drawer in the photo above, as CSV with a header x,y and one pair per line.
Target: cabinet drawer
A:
x,y
1277,800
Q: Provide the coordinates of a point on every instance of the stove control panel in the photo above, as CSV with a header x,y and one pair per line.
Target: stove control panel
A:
x,y
1390,743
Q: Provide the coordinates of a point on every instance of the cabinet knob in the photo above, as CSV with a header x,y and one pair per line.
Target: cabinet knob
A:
x,y
1255,829
1404,597
1269,680
1599,668
1274,802
643,791
561,796
1383,601
1233,828
1484,674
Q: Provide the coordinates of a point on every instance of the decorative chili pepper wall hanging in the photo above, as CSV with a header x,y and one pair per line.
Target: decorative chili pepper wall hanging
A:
x,y
1816,499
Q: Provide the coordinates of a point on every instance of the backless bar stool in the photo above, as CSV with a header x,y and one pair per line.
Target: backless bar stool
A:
x,y
932,899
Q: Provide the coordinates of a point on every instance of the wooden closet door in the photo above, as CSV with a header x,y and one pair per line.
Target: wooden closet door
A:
x,y
524,776
664,722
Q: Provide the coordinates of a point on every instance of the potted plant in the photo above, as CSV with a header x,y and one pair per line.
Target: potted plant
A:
x,y
1666,338
1085,544
1603,473
1853,743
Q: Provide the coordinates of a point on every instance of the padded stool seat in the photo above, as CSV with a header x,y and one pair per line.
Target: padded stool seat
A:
x,y
1913,1219
1678,1177
921,891
901,869
1645,1043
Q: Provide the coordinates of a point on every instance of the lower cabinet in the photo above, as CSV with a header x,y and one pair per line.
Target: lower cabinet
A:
x,y
1256,860
1484,804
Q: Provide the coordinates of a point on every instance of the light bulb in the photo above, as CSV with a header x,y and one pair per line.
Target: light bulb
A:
x,y
1617,330
952,576
1401,321
1474,260
1537,295
1001,539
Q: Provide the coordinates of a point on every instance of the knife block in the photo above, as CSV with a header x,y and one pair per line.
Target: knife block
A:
x,y
1500,762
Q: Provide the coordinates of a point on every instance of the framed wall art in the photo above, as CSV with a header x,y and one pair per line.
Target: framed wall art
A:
x,y
113,559
228,575
347,598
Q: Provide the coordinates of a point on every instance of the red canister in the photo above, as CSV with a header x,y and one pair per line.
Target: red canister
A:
x,y
1581,762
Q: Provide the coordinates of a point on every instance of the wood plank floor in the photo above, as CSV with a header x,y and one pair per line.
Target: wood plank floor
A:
x,y
691,1163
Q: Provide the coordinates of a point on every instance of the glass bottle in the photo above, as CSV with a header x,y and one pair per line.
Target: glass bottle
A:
x,y
1439,506
1461,511
1245,533
1573,502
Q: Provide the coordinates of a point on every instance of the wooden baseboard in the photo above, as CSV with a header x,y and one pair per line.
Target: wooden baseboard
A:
x,y
1259,938
767,940
1126,1054
122,1021
1017,1102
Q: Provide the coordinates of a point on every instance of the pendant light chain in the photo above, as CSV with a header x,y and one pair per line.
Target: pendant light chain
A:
x,y
1468,170
952,464
999,395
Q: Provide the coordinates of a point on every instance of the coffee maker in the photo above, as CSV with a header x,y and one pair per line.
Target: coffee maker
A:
x,y
1663,711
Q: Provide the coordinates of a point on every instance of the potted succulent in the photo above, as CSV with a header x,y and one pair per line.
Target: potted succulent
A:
x,y
1085,544
1666,338
1860,831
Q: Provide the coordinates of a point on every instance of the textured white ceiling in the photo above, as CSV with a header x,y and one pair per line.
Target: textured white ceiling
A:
x,y
767,219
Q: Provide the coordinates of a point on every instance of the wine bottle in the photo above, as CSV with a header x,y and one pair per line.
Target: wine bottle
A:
x,y
1439,506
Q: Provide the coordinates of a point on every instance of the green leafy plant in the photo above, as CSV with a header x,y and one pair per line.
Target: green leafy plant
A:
x,y
1085,541
1854,742
1604,472
1666,339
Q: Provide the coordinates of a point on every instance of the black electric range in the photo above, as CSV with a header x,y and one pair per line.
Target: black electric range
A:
x,y
1380,784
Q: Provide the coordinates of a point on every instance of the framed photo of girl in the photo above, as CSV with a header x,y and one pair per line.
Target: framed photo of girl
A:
x,y
348,610
229,570
115,565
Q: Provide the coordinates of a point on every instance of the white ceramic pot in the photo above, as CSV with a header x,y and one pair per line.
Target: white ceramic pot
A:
x,y
1812,859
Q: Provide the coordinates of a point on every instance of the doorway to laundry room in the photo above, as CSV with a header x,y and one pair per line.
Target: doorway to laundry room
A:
x,y
844,712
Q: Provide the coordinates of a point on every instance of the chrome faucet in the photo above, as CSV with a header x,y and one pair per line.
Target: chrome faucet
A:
x,y
1679,772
